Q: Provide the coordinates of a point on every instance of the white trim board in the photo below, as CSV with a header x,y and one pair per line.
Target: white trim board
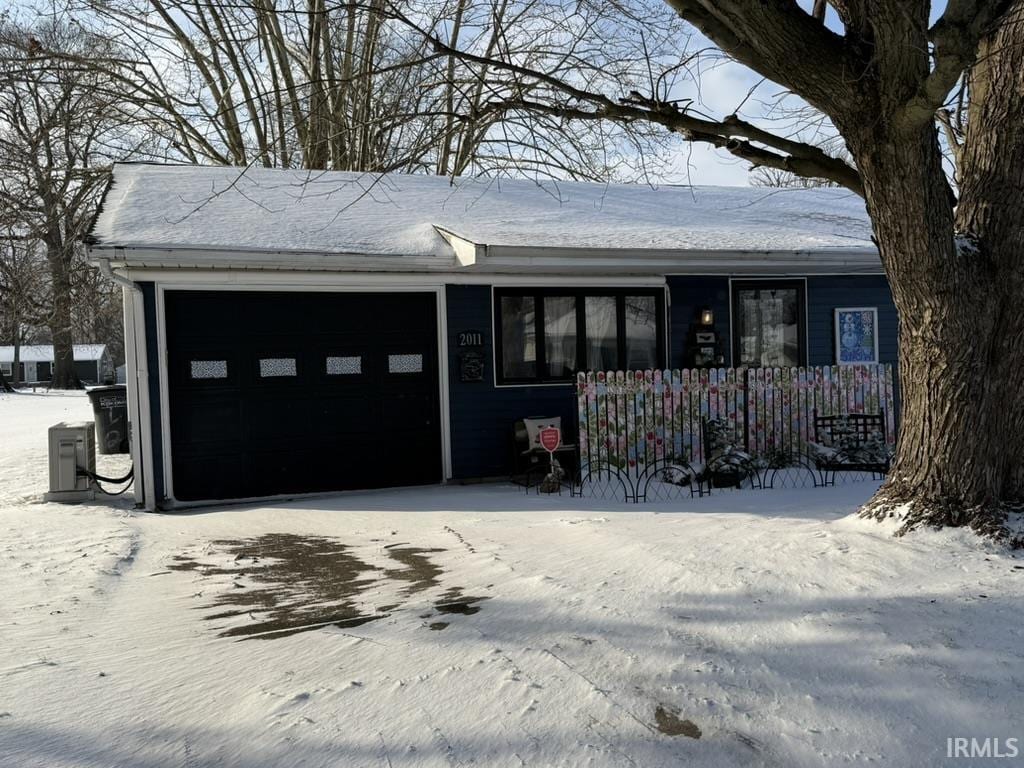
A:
x,y
476,259
163,382
137,364
214,280
774,275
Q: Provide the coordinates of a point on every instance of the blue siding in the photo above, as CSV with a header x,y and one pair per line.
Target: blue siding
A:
x,y
689,296
825,294
482,414
153,362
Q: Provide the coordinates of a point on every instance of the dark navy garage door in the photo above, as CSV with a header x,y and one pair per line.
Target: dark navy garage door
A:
x,y
281,393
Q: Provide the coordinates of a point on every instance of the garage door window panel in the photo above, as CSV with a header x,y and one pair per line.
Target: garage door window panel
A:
x,y
344,365
204,369
208,369
405,363
278,368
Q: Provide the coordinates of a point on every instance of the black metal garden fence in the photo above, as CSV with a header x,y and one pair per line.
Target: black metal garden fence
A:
x,y
643,433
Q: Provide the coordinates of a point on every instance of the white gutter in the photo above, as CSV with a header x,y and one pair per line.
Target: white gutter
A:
x,y
678,261
310,280
255,258
470,258
138,388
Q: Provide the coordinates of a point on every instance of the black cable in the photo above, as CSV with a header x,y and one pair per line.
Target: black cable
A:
x,y
94,476
129,479
105,492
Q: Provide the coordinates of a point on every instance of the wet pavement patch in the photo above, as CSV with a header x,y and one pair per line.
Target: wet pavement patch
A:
x,y
419,570
453,601
280,584
671,724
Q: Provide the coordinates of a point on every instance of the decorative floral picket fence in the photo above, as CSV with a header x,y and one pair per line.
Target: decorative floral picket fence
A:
x,y
630,420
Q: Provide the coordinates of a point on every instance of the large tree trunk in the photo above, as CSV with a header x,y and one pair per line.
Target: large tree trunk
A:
x,y
943,460
64,376
16,365
991,204
956,279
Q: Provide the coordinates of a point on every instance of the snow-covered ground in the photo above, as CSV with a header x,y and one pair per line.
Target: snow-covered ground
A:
x,y
476,625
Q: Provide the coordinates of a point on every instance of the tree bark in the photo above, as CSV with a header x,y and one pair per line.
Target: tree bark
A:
x,y
956,279
991,177
16,365
64,376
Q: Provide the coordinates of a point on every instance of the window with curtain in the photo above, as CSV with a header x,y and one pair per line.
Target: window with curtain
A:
x,y
518,334
576,329
641,315
768,323
560,336
601,320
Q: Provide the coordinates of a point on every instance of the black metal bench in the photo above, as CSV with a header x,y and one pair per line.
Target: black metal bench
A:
x,y
725,465
852,442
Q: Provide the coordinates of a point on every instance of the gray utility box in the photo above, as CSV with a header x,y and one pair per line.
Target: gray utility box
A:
x,y
72,446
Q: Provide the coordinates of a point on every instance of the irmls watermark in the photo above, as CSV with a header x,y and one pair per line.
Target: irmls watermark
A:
x,y
961,746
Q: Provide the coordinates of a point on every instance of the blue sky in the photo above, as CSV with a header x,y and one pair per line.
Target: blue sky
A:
x,y
722,90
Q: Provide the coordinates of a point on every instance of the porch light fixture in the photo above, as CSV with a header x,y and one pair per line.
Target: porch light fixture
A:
x,y
707,317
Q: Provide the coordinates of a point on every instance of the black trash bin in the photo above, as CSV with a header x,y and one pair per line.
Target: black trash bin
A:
x,y
110,406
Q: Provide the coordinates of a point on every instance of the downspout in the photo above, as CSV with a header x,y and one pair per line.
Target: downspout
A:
x,y
138,389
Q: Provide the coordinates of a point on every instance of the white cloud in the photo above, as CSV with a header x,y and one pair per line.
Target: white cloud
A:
x,y
697,163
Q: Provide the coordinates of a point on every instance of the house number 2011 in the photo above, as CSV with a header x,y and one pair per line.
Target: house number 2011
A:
x,y
471,339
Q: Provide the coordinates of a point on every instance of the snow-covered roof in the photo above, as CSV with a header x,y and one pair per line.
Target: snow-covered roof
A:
x,y
396,217
43,353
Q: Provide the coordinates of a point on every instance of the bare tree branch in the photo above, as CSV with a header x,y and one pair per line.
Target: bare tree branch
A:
x,y
778,40
954,38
